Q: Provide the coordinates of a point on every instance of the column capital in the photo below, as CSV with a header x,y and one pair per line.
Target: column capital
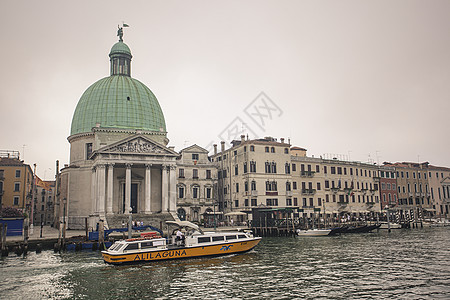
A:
x,y
164,166
148,166
172,167
101,166
128,165
111,164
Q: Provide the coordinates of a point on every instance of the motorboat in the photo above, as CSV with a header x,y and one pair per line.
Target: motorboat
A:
x,y
313,232
195,243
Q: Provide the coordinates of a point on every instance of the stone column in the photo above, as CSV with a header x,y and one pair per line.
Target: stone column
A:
x,y
172,189
127,189
164,190
101,189
148,188
109,200
94,191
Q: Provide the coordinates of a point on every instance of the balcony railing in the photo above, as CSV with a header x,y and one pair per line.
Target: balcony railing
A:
x,y
308,191
307,173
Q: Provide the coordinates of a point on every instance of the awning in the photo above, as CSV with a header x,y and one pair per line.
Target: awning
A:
x,y
236,213
183,224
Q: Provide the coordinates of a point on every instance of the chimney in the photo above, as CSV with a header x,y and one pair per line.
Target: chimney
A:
x,y
282,140
215,149
222,144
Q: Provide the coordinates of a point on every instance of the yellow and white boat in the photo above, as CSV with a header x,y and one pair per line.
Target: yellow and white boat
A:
x,y
195,244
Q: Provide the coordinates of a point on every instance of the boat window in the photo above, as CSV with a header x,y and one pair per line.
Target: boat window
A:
x,y
115,245
158,243
146,245
242,236
132,246
231,237
205,239
218,238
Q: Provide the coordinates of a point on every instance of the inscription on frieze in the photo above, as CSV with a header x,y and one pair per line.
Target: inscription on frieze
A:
x,y
137,146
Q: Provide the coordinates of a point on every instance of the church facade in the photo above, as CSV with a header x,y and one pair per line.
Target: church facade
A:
x,y
119,159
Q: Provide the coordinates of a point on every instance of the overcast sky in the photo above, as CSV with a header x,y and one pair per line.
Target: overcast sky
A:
x,y
367,80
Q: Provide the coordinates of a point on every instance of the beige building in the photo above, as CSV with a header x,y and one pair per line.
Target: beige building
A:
x,y
196,179
16,179
439,181
44,202
254,173
334,187
414,199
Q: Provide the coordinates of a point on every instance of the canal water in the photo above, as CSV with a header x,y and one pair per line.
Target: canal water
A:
x,y
403,264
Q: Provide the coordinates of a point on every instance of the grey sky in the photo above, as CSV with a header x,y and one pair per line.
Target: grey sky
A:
x,y
358,78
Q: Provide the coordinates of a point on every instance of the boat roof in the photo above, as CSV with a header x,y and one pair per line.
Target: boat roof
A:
x,y
184,224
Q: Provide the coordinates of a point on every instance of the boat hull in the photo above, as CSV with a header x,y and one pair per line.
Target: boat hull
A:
x,y
181,252
314,232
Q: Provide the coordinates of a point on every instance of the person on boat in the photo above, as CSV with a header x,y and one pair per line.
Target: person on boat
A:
x,y
180,237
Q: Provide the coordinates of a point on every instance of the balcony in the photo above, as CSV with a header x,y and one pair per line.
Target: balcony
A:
x,y
335,189
343,203
370,204
275,193
308,191
307,174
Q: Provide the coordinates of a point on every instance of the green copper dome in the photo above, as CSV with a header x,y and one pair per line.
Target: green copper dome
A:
x,y
118,101
120,47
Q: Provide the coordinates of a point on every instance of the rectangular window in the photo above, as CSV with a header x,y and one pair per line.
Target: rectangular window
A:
x,y
294,185
253,167
327,184
17,187
318,186
253,202
294,167
181,173
333,170
236,203
317,169
208,193
245,167
195,192
181,192
195,173
339,170
351,171
17,173
295,202
236,170
208,174
246,202
325,169
288,202
204,239
88,150
194,156
16,200
237,187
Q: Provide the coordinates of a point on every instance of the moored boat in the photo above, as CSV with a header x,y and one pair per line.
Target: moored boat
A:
x,y
313,232
196,243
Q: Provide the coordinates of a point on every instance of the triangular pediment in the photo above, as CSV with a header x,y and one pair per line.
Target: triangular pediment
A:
x,y
136,145
446,181
195,148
